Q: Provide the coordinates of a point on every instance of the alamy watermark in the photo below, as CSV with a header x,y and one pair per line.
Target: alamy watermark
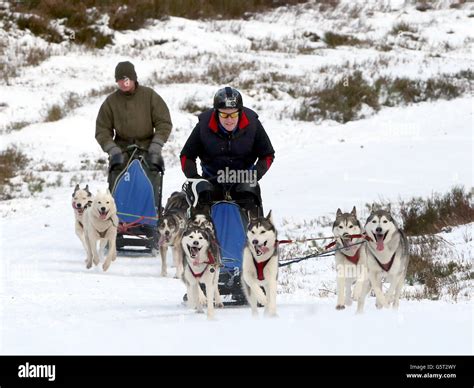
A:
x,y
237,176
37,371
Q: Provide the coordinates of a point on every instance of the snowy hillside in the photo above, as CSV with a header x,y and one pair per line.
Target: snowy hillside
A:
x,y
50,303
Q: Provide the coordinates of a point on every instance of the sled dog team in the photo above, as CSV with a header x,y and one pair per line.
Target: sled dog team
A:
x,y
364,256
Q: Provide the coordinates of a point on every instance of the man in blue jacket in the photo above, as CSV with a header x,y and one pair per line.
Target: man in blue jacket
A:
x,y
234,150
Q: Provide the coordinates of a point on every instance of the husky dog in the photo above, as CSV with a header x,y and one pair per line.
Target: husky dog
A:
x,y
350,259
201,266
171,227
387,256
100,225
81,198
203,221
260,264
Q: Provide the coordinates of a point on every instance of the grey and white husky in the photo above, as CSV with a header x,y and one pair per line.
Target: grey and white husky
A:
x,y
171,227
201,264
260,264
351,259
81,199
387,256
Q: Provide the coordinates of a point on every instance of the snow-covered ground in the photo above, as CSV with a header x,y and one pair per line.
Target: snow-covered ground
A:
x,y
50,303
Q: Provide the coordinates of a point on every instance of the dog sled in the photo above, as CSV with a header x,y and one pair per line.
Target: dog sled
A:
x,y
137,193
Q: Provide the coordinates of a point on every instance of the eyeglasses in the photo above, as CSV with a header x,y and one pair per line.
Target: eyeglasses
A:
x,y
232,115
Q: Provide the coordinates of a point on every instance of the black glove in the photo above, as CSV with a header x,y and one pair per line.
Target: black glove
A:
x,y
116,157
154,157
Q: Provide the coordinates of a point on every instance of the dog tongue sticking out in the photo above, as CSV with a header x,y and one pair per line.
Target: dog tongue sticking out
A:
x,y
261,249
162,240
103,215
380,238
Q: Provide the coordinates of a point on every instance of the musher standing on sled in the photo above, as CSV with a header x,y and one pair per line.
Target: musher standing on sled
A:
x,y
234,150
134,114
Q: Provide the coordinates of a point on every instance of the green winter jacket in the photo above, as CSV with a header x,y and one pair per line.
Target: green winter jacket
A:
x,y
133,118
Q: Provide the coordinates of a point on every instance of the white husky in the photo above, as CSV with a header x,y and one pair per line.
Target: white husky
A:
x,y
387,257
201,265
260,264
350,259
100,225
81,198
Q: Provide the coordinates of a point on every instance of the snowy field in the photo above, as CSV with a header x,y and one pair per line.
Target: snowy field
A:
x,y
51,304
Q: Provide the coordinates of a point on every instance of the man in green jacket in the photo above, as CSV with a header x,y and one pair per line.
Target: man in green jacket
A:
x,y
134,114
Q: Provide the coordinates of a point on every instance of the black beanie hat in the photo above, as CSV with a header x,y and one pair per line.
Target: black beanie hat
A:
x,y
125,69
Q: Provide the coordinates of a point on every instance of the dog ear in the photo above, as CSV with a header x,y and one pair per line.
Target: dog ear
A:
x,y
338,213
389,207
269,216
108,192
89,194
75,189
354,212
249,216
374,208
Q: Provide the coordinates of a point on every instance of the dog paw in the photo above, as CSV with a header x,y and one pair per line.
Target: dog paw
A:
x,y
200,311
164,274
262,299
381,305
219,305
271,314
88,265
340,307
211,316
348,302
106,266
95,260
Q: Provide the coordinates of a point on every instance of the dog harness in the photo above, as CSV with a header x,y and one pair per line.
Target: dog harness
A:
x,y
259,267
197,275
355,258
386,267
211,261
102,234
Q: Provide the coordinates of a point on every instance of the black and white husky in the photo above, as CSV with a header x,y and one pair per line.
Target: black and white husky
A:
x,y
350,258
201,262
171,227
260,264
387,256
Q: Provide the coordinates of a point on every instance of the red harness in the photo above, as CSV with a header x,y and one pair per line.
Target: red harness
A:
x,y
211,260
355,258
259,267
386,267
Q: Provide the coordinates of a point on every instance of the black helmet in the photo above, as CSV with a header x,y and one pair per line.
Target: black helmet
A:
x,y
228,97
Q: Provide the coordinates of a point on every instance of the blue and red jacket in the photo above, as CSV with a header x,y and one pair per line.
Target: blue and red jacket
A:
x,y
238,150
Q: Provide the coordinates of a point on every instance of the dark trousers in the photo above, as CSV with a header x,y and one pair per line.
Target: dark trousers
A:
x,y
249,201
